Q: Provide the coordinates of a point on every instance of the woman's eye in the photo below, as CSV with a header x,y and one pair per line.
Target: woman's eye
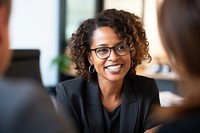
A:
x,y
102,50
121,47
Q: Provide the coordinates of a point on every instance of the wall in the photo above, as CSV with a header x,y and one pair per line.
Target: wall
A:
x,y
150,24
34,25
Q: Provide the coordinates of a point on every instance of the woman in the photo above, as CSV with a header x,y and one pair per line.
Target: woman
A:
x,y
109,96
179,22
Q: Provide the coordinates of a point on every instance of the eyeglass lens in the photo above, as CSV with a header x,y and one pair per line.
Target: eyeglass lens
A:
x,y
104,52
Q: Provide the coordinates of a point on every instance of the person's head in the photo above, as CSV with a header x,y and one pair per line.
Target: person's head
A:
x,y
4,36
179,26
109,28
179,23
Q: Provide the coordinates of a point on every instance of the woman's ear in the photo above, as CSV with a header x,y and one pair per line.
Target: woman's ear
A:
x,y
89,56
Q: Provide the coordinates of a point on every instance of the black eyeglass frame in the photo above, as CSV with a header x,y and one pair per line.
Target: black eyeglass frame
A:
x,y
114,49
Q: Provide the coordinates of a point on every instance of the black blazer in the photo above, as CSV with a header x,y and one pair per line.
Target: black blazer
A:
x,y
81,99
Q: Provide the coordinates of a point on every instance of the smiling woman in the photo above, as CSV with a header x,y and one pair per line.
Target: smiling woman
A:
x,y
108,96
114,67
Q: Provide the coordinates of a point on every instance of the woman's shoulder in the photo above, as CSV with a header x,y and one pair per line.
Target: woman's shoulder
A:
x,y
73,85
142,83
74,81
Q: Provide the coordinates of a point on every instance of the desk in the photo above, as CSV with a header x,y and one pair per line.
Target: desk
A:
x,y
165,82
168,91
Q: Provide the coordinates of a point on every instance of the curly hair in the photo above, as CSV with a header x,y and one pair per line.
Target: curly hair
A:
x,y
127,26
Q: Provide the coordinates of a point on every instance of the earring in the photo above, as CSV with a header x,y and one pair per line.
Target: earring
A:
x,y
132,63
91,69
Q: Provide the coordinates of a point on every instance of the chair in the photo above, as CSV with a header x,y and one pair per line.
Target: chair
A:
x,y
25,64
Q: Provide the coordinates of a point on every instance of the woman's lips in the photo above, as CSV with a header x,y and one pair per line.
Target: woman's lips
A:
x,y
114,68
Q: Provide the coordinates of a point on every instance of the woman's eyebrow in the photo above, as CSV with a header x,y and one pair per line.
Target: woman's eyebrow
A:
x,y
119,42
102,45
106,45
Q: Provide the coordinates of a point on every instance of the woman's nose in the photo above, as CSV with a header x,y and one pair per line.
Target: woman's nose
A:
x,y
113,55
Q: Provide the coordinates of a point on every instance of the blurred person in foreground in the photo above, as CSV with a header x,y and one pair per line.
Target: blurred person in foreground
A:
x,y
108,96
179,24
25,106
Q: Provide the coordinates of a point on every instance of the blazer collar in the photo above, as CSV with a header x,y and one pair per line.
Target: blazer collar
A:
x,y
93,92
128,93
94,108
129,107
128,113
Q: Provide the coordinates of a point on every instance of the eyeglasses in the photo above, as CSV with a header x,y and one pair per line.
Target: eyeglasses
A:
x,y
104,52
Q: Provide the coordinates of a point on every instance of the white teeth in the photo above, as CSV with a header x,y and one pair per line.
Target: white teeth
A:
x,y
114,67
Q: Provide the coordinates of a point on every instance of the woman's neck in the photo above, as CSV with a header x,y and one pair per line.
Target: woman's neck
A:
x,y
110,87
110,94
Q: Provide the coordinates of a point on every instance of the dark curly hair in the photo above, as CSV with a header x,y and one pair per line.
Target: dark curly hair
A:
x,y
127,26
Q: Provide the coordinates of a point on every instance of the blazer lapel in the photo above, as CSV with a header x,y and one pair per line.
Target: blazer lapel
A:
x,y
129,108
94,108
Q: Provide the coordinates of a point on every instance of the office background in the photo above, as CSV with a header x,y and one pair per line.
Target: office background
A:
x,y
47,24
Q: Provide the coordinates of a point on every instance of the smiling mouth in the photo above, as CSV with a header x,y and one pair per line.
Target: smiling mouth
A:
x,y
114,68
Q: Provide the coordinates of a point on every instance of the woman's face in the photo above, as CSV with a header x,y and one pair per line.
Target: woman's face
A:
x,y
114,67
